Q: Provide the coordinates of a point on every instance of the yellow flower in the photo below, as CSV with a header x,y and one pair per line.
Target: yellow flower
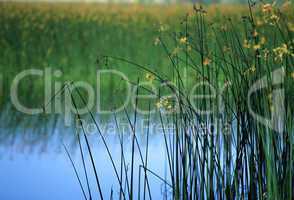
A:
x,y
255,33
250,70
150,77
183,40
281,51
206,61
156,41
158,104
164,103
256,46
262,40
274,18
266,53
267,7
246,44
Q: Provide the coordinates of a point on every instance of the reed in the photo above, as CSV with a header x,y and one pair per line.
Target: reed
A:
x,y
242,160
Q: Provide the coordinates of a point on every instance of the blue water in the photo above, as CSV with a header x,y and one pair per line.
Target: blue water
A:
x,y
34,164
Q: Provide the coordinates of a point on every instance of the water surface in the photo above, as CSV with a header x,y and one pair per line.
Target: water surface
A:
x,y
34,164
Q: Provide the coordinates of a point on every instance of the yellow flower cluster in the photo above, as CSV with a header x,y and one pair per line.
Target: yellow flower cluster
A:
x,y
248,45
281,51
267,7
164,103
250,70
270,15
183,40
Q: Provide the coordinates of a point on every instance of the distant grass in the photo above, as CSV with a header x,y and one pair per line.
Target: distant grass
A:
x,y
71,37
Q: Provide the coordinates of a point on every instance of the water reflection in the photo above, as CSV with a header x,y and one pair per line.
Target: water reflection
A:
x,y
34,164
